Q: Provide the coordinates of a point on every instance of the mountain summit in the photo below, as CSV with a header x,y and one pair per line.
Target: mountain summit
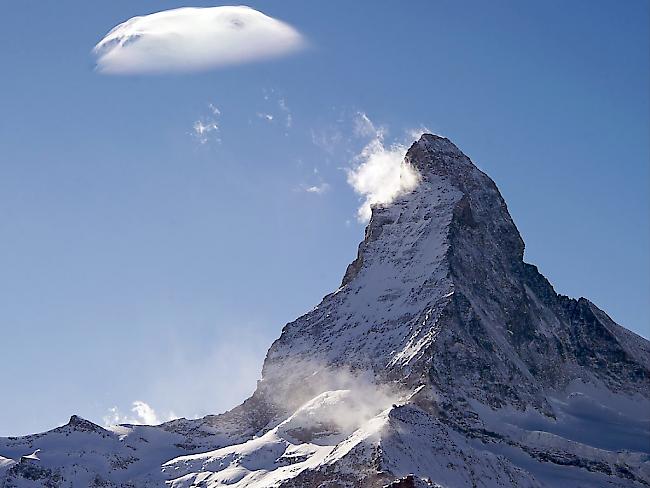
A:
x,y
442,360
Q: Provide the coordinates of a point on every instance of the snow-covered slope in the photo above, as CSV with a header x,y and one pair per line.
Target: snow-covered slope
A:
x,y
442,360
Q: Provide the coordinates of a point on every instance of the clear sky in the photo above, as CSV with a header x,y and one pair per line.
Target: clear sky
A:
x,y
145,261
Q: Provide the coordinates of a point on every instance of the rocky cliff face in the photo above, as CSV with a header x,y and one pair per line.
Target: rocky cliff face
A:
x,y
442,360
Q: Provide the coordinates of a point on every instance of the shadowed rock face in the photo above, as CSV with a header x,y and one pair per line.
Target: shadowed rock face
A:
x,y
459,365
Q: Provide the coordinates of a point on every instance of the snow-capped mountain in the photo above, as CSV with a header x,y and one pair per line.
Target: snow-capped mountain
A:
x,y
442,360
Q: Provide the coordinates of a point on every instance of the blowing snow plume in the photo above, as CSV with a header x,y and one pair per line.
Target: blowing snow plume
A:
x,y
379,173
297,381
194,39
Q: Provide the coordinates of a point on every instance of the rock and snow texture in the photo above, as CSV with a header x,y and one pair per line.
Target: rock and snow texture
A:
x,y
443,360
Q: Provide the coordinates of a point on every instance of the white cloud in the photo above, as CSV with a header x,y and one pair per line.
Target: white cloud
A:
x,y
145,412
194,39
318,189
379,173
144,415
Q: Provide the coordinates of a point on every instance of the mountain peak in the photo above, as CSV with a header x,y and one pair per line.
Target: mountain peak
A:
x,y
436,154
439,280
442,359
78,423
434,142
423,255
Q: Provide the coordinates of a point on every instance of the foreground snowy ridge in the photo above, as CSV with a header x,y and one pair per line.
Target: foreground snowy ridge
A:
x,y
442,360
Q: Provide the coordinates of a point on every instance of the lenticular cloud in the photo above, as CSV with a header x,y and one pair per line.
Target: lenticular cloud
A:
x,y
194,39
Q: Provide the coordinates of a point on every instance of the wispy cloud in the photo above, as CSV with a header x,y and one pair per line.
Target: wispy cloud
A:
x,y
328,139
203,129
192,385
207,127
288,121
267,117
318,189
194,39
276,109
379,173
214,109
364,127
414,134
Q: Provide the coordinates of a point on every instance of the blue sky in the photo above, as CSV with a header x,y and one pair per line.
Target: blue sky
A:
x,y
143,262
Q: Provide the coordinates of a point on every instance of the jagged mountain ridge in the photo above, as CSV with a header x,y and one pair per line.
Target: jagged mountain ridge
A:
x,y
482,369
